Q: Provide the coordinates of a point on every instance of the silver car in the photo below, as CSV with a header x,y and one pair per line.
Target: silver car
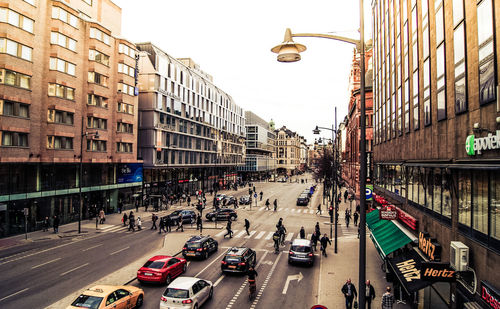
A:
x,y
186,292
301,252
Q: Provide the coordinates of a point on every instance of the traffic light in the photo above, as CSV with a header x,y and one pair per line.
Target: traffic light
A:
x,y
330,211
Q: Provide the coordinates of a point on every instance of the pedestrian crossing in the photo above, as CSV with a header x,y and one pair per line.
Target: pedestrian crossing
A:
x,y
263,208
349,232
267,235
109,228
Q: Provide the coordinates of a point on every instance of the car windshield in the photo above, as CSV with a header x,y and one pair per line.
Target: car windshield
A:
x,y
301,248
86,301
232,258
176,293
193,245
154,264
175,213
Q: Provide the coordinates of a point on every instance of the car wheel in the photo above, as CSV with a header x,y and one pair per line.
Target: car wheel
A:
x,y
195,306
211,294
216,247
184,268
140,301
212,219
192,220
233,218
168,280
205,256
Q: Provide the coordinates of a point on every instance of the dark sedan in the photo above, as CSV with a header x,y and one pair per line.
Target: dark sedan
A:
x,y
303,200
188,216
222,214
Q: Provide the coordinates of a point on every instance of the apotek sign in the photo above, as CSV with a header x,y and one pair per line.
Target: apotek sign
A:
x,y
475,145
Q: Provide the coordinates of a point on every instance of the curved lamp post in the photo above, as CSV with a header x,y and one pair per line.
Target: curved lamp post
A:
x,y
289,51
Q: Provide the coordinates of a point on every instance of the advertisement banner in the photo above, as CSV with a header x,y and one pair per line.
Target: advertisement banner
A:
x,y
369,192
129,172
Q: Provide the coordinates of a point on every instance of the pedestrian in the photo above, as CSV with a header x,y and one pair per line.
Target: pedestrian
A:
x,y
267,204
349,291
120,206
254,190
347,217
316,229
229,231
324,241
102,216
387,299
314,240
282,232
280,223
189,200
235,203
345,196
356,217
247,226
261,194
302,233
162,226
124,219
180,224
46,224
168,224
131,222
139,223
137,205
275,204
199,223
55,224
319,209
154,218
370,294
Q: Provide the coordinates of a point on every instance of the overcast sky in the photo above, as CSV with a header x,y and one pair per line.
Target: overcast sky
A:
x,y
231,40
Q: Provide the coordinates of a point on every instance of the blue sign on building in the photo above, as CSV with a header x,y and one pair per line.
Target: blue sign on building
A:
x,y
129,172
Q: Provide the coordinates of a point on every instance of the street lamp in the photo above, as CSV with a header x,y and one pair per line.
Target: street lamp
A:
x,y
288,51
80,201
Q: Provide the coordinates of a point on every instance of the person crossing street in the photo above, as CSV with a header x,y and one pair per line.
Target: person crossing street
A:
x,y
302,233
261,194
267,204
162,226
356,217
319,209
247,226
228,228
154,218
275,204
199,223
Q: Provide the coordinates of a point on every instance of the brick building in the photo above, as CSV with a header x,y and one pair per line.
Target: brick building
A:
x,y
65,75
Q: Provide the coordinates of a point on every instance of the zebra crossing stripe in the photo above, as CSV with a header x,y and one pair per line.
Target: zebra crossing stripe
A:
x,y
261,209
240,234
289,236
259,236
292,210
269,235
308,236
280,209
311,211
251,234
299,211
220,233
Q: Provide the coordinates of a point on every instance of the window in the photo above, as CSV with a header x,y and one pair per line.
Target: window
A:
x,y
464,198
15,19
59,142
96,145
487,83
495,206
62,66
15,79
97,78
99,35
127,89
415,101
125,127
124,49
15,49
440,62
414,22
125,69
65,16
60,117
97,123
99,57
60,91
480,201
16,109
62,40
459,60
96,100
427,93
14,139
125,108
124,147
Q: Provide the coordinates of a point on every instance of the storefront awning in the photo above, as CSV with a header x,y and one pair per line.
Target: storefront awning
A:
x,y
407,267
386,236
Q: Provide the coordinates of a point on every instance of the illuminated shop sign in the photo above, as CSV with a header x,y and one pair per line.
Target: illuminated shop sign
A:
x,y
490,295
430,247
435,271
475,145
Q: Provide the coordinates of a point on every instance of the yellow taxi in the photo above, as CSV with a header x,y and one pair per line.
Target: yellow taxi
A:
x,y
110,296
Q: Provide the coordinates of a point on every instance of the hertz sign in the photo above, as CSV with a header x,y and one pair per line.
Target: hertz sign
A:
x,y
429,246
434,271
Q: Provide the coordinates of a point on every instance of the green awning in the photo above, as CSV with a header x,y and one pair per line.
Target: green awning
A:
x,y
387,237
372,217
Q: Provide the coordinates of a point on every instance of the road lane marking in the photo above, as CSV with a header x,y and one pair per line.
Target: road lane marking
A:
x,y
240,234
76,268
269,235
219,280
45,263
216,259
92,247
281,208
289,237
261,209
259,236
13,294
261,291
220,233
113,253
251,234
292,210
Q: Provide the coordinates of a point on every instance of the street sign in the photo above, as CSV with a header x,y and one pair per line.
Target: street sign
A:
x,y
369,192
255,195
318,307
26,212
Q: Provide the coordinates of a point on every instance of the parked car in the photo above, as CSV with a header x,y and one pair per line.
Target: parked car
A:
x,y
187,292
188,216
301,252
230,200
200,246
161,269
238,259
303,200
282,180
245,200
219,197
222,214
109,296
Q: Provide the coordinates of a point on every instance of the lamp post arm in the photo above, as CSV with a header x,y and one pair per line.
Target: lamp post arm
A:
x,y
328,36
327,129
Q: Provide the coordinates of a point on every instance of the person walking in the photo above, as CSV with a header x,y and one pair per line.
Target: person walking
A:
x,y
137,205
102,216
199,223
356,217
168,224
154,218
370,294
131,222
345,196
316,229
387,299
162,226
302,233
235,204
275,204
55,224
324,241
229,231
189,200
261,194
247,226
139,223
46,224
267,204
180,224
124,219
319,209
314,241
349,291
347,218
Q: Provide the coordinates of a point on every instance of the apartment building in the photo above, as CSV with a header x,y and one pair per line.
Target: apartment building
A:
x,y
191,133
67,99
288,151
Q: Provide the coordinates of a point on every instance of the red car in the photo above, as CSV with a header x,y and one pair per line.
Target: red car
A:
x,y
161,269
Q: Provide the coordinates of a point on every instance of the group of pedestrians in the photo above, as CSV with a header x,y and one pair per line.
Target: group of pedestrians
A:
x,y
131,221
55,224
275,204
350,294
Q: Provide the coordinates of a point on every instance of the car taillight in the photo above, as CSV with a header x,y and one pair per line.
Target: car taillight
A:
x,y
310,254
157,274
163,298
199,249
291,252
184,248
241,264
187,301
223,262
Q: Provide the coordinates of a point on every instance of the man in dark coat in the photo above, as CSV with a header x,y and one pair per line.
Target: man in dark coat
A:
x,y
349,291
370,294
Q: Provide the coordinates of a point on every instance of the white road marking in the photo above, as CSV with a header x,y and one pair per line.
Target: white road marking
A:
x,y
219,280
261,209
269,235
280,209
14,294
67,272
92,247
216,259
286,209
292,210
240,234
113,253
311,211
220,233
259,236
45,263
251,234
289,236
299,211
261,291
319,281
